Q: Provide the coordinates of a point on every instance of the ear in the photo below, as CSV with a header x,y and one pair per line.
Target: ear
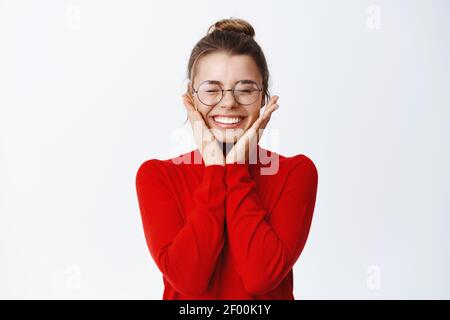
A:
x,y
190,93
188,88
262,101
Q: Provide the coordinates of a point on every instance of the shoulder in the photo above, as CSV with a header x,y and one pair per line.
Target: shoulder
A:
x,y
149,169
302,174
162,168
295,170
282,165
149,165
303,163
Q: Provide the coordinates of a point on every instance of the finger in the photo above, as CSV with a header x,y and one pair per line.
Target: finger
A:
x,y
196,120
265,117
273,100
258,126
268,116
270,106
193,114
187,103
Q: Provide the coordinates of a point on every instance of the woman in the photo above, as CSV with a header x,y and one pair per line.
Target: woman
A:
x,y
220,223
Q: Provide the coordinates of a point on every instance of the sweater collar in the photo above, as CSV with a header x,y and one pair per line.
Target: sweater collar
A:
x,y
262,158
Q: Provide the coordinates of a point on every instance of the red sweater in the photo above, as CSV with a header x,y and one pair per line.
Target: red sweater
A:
x,y
226,232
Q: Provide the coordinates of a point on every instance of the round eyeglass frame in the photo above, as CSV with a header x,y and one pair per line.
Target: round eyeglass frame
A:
x,y
223,94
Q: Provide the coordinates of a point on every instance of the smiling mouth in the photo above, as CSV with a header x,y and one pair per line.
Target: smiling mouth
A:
x,y
228,121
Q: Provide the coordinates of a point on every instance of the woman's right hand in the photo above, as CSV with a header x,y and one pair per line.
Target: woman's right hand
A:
x,y
207,144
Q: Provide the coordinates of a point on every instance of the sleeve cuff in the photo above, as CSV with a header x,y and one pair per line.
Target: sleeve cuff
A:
x,y
211,190
237,173
214,173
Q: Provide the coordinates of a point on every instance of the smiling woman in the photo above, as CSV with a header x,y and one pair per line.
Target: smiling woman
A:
x,y
225,227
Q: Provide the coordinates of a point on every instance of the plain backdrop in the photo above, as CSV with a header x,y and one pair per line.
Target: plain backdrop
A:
x,y
89,90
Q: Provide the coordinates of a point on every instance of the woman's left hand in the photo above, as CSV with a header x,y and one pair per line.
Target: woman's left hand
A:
x,y
240,151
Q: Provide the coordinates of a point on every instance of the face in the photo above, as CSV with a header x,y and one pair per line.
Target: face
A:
x,y
227,70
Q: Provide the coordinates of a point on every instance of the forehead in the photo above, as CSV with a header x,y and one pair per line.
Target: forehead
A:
x,y
227,69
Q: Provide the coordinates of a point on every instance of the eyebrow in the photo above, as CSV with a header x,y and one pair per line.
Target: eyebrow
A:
x,y
219,82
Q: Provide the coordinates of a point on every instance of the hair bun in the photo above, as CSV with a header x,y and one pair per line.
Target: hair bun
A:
x,y
233,24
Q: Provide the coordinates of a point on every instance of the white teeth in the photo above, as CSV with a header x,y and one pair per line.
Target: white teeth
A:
x,y
227,120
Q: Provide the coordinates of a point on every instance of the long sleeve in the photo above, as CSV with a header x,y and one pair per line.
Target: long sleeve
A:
x,y
266,250
186,252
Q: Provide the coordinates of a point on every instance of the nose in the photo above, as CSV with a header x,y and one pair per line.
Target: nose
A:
x,y
228,99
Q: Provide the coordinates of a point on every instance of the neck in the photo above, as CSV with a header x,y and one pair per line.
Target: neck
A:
x,y
226,147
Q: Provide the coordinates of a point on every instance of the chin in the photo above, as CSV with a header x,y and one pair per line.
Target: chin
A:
x,y
227,137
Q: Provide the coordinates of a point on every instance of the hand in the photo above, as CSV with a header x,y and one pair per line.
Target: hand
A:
x,y
240,152
207,144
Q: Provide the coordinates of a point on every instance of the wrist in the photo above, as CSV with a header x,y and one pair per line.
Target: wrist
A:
x,y
215,163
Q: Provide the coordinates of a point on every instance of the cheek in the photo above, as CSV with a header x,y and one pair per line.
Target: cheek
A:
x,y
204,112
251,118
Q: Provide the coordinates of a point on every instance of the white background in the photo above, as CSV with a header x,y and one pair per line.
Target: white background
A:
x,y
91,89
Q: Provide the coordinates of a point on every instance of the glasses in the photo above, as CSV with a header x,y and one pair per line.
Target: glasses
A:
x,y
245,92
